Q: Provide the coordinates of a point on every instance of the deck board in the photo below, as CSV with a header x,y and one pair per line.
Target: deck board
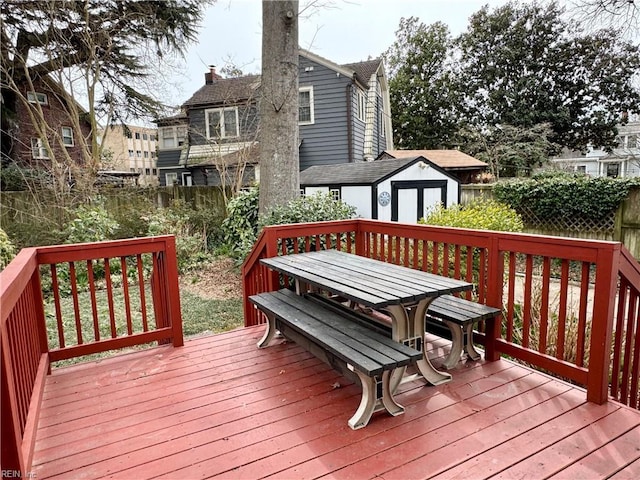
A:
x,y
220,407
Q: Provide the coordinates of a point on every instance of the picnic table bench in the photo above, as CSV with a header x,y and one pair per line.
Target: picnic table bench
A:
x,y
459,316
335,336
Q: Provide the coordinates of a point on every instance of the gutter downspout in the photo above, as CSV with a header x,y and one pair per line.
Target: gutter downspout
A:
x,y
349,95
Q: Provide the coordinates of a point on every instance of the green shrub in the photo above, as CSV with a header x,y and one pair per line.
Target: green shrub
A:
x,y
240,228
314,208
132,216
191,244
480,215
91,223
554,197
242,225
7,249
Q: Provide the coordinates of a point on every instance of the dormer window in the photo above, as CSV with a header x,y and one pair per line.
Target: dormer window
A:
x,y
37,97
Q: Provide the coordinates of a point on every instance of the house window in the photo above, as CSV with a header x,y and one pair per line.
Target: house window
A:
x,y
581,169
170,179
130,153
335,194
147,171
168,140
305,106
67,136
146,154
632,141
152,138
155,171
137,135
222,123
138,153
37,97
127,133
383,129
181,134
145,136
362,105
38,149
613,170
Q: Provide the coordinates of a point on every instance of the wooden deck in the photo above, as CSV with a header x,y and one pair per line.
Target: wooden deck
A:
x,y
219,407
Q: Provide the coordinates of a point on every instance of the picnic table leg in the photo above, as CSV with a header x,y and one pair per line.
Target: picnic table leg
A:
x,y
399,333
269,332
371,400
472,353
456,344
418,321
409,328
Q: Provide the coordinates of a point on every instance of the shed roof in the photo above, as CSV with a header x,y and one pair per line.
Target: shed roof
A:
x,y
448,159
361,173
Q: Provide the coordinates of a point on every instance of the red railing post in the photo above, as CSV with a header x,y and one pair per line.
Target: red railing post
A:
x,y
11,448
271,250
494,298
360,239
173,292
41,321
602,327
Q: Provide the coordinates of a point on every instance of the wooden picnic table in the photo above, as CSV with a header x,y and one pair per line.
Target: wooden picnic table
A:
x,y
403,293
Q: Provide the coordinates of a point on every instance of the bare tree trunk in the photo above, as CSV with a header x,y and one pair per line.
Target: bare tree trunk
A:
x,y
279,158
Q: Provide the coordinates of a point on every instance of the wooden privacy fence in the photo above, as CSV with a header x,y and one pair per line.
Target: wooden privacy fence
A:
x,y
570,307
91,287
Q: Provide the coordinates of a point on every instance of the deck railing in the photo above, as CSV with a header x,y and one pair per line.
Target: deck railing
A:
x,y
558,295
94,309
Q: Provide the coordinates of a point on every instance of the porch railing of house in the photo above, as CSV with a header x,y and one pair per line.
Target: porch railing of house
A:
x,y
67,301
570,307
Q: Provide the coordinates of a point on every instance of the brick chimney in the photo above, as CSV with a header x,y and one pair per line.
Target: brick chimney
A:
x,y
211,76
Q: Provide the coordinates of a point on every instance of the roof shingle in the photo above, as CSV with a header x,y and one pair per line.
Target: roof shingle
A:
x,y
361,173
226,90
442,158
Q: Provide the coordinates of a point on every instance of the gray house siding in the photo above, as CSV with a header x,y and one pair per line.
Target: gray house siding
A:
x,y
211,177
168,158
325,141
163,171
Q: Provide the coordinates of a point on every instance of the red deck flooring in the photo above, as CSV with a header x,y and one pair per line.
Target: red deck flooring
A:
x,y
220,407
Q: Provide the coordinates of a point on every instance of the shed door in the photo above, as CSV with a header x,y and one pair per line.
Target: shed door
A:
x,y
411,199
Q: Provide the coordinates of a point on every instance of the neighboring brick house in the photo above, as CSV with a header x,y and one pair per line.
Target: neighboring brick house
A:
x,y
28,147
132,149
344,117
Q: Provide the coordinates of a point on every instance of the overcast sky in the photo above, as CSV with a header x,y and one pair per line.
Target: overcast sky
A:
x,y
344,32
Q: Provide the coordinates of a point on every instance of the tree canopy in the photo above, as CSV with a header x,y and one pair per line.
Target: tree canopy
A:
x,y
524,65
101,53
422,98
520,68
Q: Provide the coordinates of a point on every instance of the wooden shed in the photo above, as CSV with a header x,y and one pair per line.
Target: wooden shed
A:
x,y
401,189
